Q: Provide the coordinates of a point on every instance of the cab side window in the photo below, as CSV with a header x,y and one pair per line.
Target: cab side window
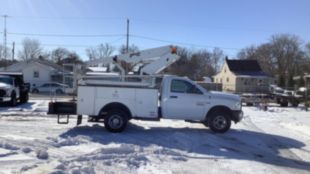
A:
x,y
182,86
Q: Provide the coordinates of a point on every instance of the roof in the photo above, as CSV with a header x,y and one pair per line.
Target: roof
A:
x,y
245,67
10,73
98,69
49,63
20,65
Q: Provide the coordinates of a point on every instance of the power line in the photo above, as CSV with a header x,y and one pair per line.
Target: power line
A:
x,y
65,35
59,45
73,45
181,43
141,20
69,18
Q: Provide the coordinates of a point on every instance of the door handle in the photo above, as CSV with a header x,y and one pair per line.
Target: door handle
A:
x,y
173,96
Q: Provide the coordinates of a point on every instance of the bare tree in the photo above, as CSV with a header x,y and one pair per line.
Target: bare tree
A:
x,y
2,50
131,49
217,59
286,50
92,53
282,56
196,64
247,53
105,50
59,54
31,49
307,50
99,52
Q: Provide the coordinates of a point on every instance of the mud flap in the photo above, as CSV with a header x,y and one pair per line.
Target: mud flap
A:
x,y
79,120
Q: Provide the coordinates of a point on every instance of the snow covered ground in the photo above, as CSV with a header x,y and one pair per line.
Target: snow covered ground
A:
x,y
273,141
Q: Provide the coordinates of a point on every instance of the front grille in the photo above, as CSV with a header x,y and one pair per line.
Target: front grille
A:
x,y
2,93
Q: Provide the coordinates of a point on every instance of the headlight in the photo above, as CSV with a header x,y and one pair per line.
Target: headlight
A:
x,y
237,106
7,92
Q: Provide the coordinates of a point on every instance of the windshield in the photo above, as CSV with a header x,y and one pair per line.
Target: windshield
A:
x,y
6,80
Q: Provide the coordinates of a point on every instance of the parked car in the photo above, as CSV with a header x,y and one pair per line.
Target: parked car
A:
x,y
55,88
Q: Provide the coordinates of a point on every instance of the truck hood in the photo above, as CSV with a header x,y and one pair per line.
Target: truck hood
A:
x,y
226,96
4,86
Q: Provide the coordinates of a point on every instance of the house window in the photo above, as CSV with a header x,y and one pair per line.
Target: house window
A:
x,y
245,82
220,80
227,79
36,74
225,70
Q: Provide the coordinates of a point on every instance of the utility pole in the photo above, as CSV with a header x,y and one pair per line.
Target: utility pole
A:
x,y
4,36
13,51
127,36
4,40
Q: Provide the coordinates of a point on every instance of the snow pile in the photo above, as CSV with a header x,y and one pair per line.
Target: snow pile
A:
x,y
42,154
26,149
68,141
8,146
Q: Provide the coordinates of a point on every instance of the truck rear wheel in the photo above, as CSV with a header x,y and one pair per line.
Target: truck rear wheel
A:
x,y
115,121
283,104
219,122
295,104
24,98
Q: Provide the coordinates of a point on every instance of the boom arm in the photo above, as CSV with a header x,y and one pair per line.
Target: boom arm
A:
x,y
152,60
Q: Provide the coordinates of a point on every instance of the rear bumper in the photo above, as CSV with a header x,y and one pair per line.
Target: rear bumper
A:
x,y
5,99
237,116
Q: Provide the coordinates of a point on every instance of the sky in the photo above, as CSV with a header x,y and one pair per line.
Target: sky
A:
x,y
197,24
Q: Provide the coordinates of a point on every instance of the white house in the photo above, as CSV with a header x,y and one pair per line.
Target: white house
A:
x,y
37,72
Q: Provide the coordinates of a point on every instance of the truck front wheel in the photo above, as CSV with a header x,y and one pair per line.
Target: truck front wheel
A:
x,y
13,101
219,122
115,121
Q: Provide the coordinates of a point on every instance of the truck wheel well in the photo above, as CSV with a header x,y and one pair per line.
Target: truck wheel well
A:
x,y
116,106
219,108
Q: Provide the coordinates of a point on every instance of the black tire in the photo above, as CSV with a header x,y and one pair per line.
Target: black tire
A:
x,y
59,91
24,97
295,104
284,104
219,121
116,121
249,104
13,101
36,91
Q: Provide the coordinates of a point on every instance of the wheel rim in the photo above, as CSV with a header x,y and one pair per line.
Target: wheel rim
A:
x,y
220,122
115,121
58,91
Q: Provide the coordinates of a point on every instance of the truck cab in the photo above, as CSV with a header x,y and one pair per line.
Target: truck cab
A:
x,y
187,100
12,88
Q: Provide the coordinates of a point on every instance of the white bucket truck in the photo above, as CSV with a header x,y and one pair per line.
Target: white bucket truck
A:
x,y
117,99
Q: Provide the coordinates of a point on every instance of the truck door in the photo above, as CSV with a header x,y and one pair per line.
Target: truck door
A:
x,y
183,101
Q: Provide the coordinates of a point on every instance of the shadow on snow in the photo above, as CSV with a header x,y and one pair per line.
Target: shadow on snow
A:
x,y
6,106
235,144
